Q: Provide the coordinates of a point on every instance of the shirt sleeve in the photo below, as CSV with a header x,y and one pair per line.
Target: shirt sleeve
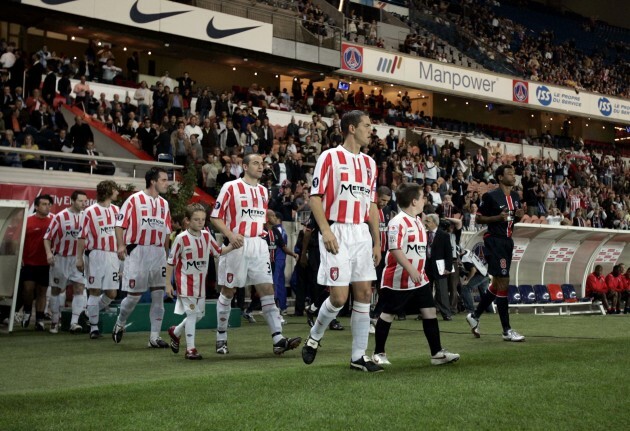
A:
x,y
124,215
53,228
322,175
215,248
395,234
222,203
84,224
176,250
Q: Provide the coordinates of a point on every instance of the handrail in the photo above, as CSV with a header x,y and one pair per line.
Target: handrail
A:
x,y
74,156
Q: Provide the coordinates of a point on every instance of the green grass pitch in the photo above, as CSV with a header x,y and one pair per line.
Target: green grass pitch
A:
x,y
570,373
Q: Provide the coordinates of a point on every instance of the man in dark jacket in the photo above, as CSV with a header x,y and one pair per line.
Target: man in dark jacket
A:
x,y
440,263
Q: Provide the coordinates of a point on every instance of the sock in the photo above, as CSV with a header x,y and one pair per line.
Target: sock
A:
x,y
383,324
432,333
486,300
62,299
156,313
103,302
327,312
224,305
360,322
92,311
504,313
78,306
272,316
191,322
40,316
126,308
54,309
180,328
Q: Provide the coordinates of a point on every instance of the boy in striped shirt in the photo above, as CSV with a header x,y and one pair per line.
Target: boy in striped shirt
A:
x,y
97,238
189,258
404,278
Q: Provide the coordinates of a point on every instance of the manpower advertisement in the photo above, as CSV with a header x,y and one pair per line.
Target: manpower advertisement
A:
x,y
371,63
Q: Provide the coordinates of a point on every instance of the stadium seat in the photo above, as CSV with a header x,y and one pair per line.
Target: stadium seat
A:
x,y
569,293
555,293
514,295
542,294
527,293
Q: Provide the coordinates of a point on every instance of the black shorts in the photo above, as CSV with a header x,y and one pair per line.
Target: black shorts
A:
x,y
498,254
37,273
395,301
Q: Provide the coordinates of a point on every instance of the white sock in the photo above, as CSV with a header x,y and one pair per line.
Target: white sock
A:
x,y
78,305
224,306
62,300
360,322
126,308
156,313
272,316
92,311
48,303
104,301
327,312
180,328
54,308
191,322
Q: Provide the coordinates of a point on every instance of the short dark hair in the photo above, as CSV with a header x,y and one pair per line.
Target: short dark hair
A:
x,y
153,174
384,191
105,189
40,198
75,194
352,118
249,157
406,193
501,169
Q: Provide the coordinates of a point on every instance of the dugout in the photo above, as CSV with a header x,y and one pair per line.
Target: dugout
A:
x,y
546,254
12,231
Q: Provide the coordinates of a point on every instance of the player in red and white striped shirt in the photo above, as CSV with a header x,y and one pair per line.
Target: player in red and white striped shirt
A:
x,y
240,215
189,257
405,279
343,198
60,243
97,238
142,227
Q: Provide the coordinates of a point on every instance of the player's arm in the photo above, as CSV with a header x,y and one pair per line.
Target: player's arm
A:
x,y
50,257
80,250
407,266
122,250
376,235
235,240
169,276
317,211
226,249
306,239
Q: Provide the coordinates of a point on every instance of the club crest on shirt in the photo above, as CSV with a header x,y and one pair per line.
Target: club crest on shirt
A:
x,y
56,280
91,280
120,216
315,182
192,306
217,205
132,284
230,277
163,211
334,273
369,174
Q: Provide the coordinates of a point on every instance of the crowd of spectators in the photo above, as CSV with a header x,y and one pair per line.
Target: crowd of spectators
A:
x,y
581,187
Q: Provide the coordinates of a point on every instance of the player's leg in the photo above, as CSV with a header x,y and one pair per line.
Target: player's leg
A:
x,y
28,295
78,306
92,309
431,327
390,303
442,301
280,289
40,307
135,280
54,307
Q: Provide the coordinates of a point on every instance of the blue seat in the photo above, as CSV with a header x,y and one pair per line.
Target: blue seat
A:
x,y
542,294
570,295
527,293
514,295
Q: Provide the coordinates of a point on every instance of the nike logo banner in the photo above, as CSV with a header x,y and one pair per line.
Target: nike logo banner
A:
x,y
169,17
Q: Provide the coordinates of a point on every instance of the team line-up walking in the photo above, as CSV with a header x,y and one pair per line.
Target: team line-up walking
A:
x,y
102,246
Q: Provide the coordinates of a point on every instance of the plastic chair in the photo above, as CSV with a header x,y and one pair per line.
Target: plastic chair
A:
x,y
542,294
527,293
569,293
555,293
514,295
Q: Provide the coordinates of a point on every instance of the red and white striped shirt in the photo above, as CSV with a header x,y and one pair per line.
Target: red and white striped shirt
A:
x,y
63,232
147,220
347,184
242,207
407,234
576,202
190,255
98,227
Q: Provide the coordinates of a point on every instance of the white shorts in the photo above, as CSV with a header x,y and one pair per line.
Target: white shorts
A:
x,y
102,270
354,260
247,265
65,271
190,305
145,267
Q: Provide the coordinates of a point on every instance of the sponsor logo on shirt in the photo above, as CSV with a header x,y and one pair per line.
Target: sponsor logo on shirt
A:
x,y
153,222
355,191
420,250
253,214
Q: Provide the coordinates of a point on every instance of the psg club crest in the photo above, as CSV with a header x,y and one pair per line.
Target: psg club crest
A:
x,y
132,284
520,91
334,273
230,277
352,58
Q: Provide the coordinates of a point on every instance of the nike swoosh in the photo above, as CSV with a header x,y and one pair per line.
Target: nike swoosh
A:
x,y
56,2
215,33
144,18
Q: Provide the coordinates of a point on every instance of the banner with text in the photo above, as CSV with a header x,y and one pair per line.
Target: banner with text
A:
x,y
171,17
60,195
373,63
